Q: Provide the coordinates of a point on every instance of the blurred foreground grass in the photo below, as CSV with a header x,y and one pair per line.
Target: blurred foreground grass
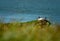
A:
x,y
28,31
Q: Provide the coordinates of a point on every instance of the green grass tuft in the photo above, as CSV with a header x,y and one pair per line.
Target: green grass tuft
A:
x,y
28,31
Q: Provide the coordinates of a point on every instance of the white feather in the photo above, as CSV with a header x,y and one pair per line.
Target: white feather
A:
x,y
41,18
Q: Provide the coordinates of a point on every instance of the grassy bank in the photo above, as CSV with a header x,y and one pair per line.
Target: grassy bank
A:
x,y
28,31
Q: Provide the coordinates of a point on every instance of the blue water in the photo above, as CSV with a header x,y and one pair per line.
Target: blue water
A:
x,y
24,17
28,10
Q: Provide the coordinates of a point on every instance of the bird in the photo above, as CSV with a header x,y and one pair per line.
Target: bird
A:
x,y
43,21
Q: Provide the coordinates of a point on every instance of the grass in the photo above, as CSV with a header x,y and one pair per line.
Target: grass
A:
x,y
28,31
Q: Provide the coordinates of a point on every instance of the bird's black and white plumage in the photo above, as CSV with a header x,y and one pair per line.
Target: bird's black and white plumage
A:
x,y
43,20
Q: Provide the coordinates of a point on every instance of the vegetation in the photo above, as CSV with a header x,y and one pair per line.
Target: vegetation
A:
x,y
28,31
